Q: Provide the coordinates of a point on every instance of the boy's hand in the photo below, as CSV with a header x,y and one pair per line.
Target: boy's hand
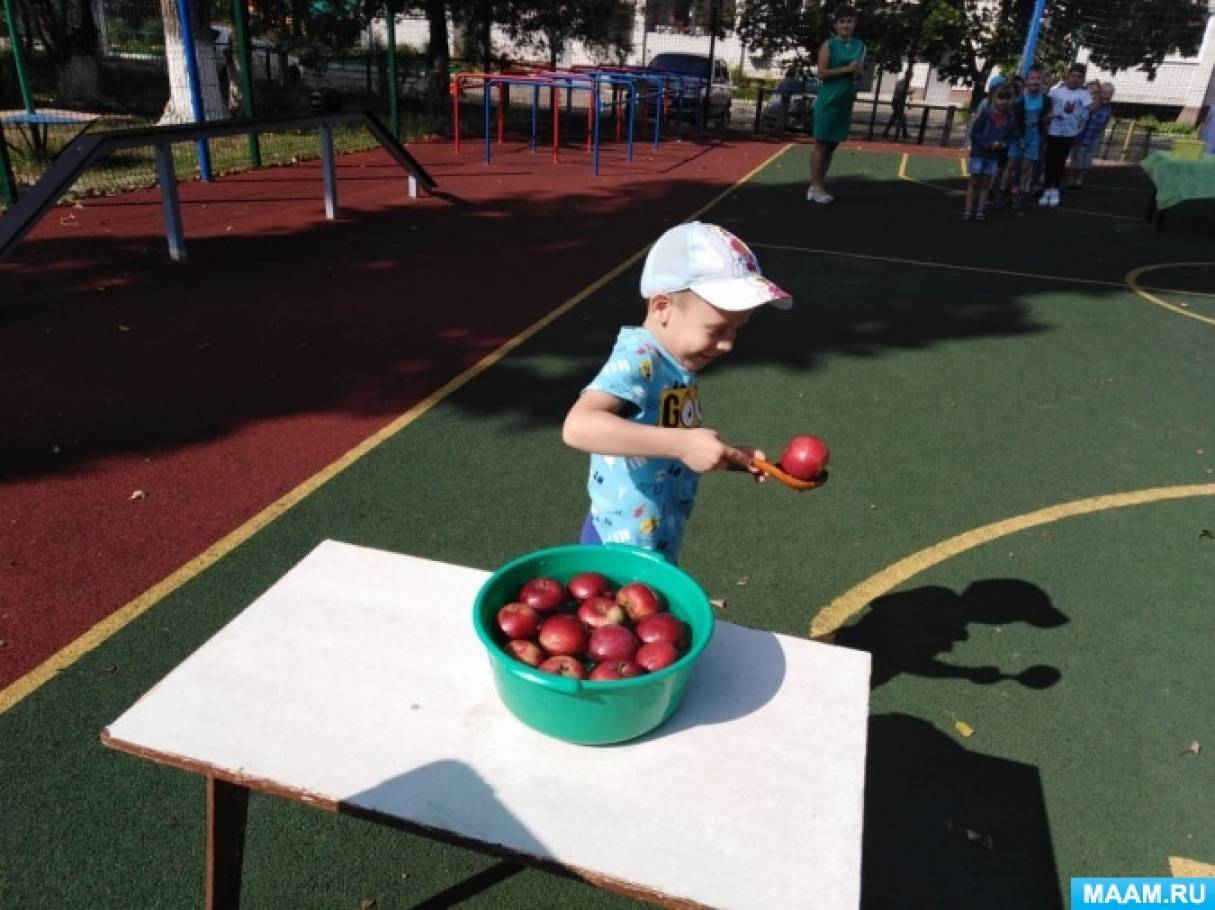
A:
x,y
702,450
752,452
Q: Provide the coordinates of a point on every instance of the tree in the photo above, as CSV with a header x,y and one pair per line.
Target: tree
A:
x,y
549,26
966,41
178,109
793,29
68,31
440,57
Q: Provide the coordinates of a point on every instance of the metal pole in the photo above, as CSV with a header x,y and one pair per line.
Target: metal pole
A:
x,y
14,41
240,21
645,28
1031,37
8,182
167,177
704,111
328,171
196,103
394,115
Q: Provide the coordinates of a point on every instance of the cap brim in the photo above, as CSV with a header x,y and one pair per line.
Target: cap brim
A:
x,y
738,294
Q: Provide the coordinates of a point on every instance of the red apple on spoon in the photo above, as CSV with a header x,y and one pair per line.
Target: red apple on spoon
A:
x,y
805,457
663,627
543,594
638,600
527,651
656,655
612,643
616,669
588,584
563,665
518,620
563,634
600,611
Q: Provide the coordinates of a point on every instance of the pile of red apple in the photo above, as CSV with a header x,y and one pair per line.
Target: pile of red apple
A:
x,y
585,629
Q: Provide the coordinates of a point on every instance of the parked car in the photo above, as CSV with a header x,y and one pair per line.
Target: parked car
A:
x,y
721,90
801,92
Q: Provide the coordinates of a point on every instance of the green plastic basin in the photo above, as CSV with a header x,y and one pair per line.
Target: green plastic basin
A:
x,y
579,710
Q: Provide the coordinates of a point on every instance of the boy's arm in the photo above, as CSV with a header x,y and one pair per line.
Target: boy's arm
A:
x,y
594,425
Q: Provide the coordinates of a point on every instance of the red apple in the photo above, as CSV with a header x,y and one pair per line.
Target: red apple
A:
x,y
656,655
610,643
638,600
543,594
663,627
616,669
563,634
518,620
588,584
562,665
600,611
805,457
527,651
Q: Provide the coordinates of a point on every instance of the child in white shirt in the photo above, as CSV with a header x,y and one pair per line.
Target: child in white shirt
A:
x,y
1069,109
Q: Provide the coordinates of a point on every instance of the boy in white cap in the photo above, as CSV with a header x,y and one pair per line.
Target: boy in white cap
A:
x,y
639,419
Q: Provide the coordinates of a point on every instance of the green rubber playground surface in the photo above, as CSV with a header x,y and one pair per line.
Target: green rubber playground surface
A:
x,y
1038,685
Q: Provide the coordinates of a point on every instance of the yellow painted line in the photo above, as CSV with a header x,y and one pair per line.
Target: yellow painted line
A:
x,y
1181,867
964,165
69,654
1132,280
928,263
853,601
903,175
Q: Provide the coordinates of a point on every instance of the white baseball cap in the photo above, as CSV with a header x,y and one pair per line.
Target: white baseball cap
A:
x,y
712,262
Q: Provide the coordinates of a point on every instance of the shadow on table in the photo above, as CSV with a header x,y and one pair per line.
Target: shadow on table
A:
x,y
449,796
946,827
740,671
906,632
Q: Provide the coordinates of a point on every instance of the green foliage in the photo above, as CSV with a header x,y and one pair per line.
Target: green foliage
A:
x,y
1168,128
965,40
547,26
788,28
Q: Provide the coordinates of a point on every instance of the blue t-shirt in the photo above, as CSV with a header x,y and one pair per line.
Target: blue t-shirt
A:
x,y
645,501
1033,120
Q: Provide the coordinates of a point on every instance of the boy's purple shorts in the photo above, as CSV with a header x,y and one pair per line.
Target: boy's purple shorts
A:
x,y
589,535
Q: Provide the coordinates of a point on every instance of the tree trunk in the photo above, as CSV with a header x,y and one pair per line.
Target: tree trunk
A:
x,y
440,57
178,109
79,80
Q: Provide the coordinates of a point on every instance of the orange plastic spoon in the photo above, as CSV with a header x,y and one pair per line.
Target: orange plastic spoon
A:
x,y
788,479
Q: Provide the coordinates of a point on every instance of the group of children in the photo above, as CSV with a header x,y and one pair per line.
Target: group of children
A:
x,y
1023,134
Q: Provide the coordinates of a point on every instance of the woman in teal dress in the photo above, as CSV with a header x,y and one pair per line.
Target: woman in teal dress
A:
x,y
839,61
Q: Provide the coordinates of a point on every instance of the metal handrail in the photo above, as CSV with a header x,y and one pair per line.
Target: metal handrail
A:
x,y
35,202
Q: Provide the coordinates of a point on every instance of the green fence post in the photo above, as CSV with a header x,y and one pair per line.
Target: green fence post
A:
x,y
394,116
14,41
240,22
8,183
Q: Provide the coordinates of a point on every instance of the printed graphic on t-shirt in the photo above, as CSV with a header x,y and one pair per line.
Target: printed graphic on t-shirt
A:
x,y
679,407
638,500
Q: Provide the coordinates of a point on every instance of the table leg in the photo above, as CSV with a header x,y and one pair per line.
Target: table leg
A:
x,y
227,806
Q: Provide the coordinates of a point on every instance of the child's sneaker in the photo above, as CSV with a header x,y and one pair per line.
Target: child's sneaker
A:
x,y
1044,199
980,215
968,215
1054,198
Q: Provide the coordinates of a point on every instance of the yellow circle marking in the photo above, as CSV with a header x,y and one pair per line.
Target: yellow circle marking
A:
x,y
853,601
1132,281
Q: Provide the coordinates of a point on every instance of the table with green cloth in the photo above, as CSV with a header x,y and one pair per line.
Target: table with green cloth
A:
x,y
1177,180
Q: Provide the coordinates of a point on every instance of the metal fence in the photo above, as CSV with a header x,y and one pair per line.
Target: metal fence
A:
x,y
127,82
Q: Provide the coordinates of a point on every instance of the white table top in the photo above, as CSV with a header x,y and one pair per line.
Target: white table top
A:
x,y
357,680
